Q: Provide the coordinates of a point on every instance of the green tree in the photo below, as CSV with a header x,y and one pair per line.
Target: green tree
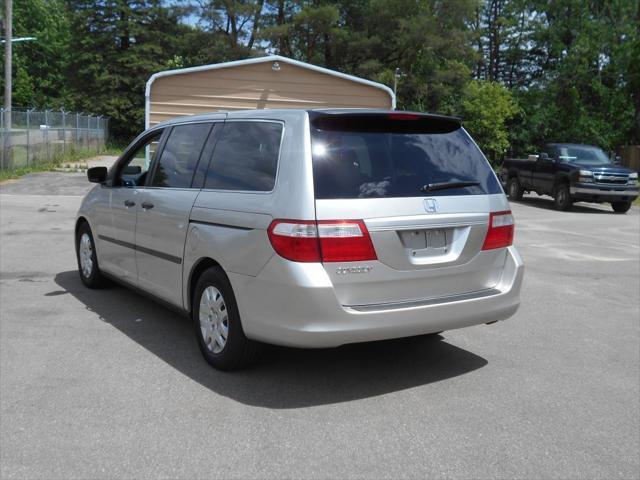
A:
x,y
304,30
238,21
40,66
579,88
571,66
24,92
426,39
119,45
487,107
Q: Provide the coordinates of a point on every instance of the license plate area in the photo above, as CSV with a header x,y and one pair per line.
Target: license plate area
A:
x,y
427,243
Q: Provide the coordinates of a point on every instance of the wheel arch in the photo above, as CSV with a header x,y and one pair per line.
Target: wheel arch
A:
x,y
560,179
81,220
513,172
197,269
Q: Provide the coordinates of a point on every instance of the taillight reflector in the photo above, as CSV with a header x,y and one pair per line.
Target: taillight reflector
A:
x,y
500,232
321,241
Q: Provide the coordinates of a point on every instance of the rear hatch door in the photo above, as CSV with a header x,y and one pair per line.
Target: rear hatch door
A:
x,y
424,191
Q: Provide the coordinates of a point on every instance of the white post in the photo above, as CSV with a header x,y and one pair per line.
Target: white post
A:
x,y
46,134
64,130
28,134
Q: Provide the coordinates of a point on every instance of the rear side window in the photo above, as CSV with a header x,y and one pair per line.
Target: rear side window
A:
x,y
396,155
180,155
245,157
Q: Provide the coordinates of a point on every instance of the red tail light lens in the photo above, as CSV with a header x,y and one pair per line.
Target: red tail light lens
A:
x,y
322,241
295,240
345,241
500,232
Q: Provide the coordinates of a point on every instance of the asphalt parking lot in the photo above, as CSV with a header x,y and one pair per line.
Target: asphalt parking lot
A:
x,y
105,384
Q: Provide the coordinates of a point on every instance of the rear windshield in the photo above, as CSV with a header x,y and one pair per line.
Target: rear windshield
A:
x,y
357,156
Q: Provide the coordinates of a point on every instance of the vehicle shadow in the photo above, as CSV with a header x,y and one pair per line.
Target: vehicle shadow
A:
x,y
547,204
285,377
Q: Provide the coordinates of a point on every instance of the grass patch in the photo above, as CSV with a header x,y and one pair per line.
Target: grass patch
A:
x,y
21,168
113,148
637,201
20,171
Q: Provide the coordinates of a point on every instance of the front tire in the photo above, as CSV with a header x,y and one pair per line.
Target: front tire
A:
x,y
562,197
621,207
515,189
216,320
88,267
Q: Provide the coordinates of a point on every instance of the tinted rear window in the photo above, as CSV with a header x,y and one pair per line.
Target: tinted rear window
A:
x,y
378,156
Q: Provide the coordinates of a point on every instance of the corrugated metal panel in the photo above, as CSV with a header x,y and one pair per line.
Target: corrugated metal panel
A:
x,y
257,85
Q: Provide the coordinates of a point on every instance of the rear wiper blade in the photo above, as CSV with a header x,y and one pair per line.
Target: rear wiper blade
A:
x,y
430,187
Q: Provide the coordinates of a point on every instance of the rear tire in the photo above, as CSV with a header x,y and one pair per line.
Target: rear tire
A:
x,y
87,259
621,207
562,197
216,320
514,189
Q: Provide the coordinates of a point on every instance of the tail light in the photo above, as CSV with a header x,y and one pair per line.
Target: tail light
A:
x,y
345,241
295,240
500,232
321,241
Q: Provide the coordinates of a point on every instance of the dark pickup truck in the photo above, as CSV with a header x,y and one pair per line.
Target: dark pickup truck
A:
x,y
571,173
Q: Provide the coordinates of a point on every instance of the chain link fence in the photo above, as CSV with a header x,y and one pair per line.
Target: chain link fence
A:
x,y
28,137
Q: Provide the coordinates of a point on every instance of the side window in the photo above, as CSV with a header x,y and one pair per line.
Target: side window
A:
x,y
245,157
134,171
551,151
207,152
179,157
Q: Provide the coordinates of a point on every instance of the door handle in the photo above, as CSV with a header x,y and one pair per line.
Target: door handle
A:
x,y
146,205
129,203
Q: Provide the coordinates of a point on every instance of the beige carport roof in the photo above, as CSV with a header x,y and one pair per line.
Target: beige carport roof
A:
x,y
246,84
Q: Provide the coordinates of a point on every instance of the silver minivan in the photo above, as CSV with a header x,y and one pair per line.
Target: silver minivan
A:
x,y
305,228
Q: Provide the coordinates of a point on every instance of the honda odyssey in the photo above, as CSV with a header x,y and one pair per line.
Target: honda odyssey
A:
x,y
306,228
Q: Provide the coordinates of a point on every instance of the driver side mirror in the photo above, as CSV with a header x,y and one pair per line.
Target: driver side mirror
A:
x,y
617,160
97,174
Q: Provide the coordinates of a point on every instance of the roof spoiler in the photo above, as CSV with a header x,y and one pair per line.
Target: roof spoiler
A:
x,y
384,122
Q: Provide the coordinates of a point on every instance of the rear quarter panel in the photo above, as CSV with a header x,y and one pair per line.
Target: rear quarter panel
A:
x,y
230,227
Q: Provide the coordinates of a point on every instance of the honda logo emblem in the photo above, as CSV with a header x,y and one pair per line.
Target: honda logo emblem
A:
x,y
430,205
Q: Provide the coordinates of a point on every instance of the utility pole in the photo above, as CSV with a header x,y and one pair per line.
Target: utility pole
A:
x,y
397,76
8,47
8,44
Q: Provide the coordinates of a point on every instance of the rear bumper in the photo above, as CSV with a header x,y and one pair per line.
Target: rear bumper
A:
x,y
598,193
294,304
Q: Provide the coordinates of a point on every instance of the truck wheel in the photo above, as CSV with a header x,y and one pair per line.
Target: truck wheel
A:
x,y
515,189
621,207
562,197
217,323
